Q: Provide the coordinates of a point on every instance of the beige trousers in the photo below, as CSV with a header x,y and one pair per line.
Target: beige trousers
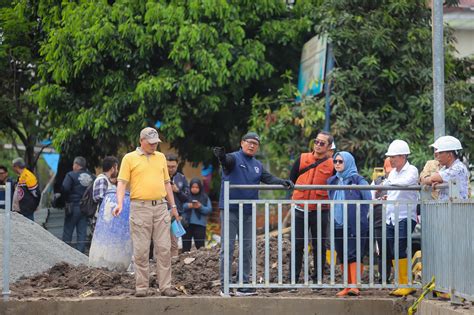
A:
x,y
149,221
174,245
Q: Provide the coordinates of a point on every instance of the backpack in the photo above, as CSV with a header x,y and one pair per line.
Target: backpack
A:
x,y
87,204
28,199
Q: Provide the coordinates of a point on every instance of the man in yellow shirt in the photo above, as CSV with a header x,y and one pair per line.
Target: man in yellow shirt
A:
x,y
145,173
27,193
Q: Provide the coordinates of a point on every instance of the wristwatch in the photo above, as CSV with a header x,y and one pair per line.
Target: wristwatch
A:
x,y
173,206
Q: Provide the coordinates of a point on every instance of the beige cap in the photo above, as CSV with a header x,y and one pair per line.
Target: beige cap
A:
x,y
150,135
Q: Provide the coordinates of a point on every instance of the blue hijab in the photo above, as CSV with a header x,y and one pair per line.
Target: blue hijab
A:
x,y
350,169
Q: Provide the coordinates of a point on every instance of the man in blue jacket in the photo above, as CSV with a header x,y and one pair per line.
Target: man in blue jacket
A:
x,y
74,185
242,168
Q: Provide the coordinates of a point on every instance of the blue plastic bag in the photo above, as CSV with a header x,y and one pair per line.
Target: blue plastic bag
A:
x,y
111,245
177,228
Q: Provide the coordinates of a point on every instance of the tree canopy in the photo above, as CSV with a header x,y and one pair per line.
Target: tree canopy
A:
x,y
20,40
383,78
96,72
382,84
111,68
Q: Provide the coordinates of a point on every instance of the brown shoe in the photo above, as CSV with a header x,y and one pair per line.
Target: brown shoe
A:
x,y
170,292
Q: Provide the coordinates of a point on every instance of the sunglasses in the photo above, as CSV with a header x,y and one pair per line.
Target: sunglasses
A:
x,y
254,143
338,161
319,143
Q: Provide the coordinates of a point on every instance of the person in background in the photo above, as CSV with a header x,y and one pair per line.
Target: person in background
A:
x,y
104,181
431,167
4,179
332,150
196,212
403,174
74,185
347,174
378,208
27,193
452,168
180,188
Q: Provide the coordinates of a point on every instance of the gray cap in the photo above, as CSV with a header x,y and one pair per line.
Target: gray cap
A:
x,y
150,135
19,162
79,160
251,135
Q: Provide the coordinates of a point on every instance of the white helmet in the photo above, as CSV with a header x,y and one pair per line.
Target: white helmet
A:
x,y
435,145
447,143
333,145
398,147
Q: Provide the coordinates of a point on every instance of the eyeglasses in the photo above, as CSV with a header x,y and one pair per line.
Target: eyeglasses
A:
x,y
320,143
338,161
254,143
3,173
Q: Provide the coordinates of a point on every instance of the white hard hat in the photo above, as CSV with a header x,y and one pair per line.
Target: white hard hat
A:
x,y
333,145
447,143
435,144
398,147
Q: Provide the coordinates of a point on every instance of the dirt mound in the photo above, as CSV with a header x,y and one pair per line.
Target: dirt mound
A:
x,y
33,249
65,280
194,273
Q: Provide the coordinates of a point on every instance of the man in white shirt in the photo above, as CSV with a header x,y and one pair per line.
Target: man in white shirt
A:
x,y
403,174
446,150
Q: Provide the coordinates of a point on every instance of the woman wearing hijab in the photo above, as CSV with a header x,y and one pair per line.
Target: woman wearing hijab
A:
x,y
196,212
346,174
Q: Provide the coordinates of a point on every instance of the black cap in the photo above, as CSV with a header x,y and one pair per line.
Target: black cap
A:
x,y
251,135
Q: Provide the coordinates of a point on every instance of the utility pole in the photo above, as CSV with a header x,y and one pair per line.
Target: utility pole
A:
x,y
438,69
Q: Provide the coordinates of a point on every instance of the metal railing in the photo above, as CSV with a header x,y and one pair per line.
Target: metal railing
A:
x,y
448,245
6,239
292,281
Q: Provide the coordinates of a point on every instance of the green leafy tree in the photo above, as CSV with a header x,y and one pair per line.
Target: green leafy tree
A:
x,y
113,67
382,81
20,36
382,87
287,128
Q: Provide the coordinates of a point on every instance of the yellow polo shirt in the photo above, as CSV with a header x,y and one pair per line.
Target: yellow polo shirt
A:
x,y
145,174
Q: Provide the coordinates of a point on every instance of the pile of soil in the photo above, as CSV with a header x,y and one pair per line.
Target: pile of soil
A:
x,y
66,280
194,273
33,249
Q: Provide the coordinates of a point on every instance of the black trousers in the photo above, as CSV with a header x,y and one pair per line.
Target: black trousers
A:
x,y
388,262
299,241
196,232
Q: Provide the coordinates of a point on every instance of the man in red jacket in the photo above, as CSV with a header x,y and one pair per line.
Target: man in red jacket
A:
x,y
312,168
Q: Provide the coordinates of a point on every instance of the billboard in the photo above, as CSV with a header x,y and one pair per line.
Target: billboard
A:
x,y
312,67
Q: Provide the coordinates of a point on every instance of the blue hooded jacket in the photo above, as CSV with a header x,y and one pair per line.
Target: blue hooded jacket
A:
x,y
350,176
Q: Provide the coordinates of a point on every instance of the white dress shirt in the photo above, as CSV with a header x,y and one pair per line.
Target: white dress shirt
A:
x,y
407,176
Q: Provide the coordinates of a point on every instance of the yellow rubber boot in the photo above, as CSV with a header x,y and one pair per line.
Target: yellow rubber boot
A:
x,y
402,278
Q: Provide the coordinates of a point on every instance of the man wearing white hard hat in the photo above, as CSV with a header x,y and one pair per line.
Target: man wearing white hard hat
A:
x,y
402,174
332,150
446,148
